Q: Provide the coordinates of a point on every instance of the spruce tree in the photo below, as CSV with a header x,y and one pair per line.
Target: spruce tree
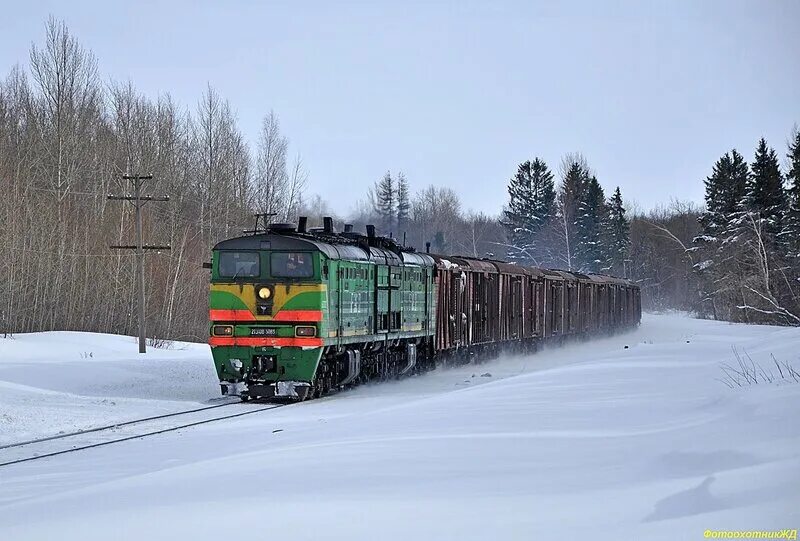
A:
x,y
617,235
765,197
725,191
573,185
590,252
792,223
515,216
544,192
531,206
403,203
720,225
385,204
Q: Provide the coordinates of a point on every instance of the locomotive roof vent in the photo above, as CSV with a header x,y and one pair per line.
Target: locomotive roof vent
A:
x,y
281,228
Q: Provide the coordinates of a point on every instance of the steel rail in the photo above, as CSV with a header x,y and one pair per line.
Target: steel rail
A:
x,y
138,436
116,425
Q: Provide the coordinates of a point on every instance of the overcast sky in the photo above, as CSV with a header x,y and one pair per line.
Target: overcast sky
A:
x,y
458,93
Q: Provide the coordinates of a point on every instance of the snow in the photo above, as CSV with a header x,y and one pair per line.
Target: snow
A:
x,y
588,441
705,238
66,381
447,263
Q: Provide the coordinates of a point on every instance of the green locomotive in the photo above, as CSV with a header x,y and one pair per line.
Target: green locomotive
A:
x,y
295,313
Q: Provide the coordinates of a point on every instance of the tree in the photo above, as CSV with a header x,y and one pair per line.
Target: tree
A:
x,y
765,196
298,178
725,192
530,208
616,236
792,223
742,264
385,203
662,255
220,159
590,252
403,202
436,214
575,177
271,177
726,189
69,104
64,141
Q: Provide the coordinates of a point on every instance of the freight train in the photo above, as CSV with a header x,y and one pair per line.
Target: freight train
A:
x,y
297,312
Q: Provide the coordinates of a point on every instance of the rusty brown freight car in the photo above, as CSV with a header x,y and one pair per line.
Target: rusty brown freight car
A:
x,y
488,305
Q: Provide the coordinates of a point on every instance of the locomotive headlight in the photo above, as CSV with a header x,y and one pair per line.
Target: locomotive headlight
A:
x,y
306,330
264,293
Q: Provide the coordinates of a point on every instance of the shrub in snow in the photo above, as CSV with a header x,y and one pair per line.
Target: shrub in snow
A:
x,y
748,372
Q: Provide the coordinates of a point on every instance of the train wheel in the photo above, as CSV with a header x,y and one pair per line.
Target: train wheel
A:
x,y
320,386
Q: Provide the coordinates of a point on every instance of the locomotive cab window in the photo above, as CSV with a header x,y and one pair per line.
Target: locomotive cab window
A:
x,y
239,265
291,265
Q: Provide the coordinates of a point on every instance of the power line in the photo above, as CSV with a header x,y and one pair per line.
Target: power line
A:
x,y
67,254
139,201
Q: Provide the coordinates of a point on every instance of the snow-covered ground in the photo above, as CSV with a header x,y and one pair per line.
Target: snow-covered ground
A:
x,y
589,441
65,381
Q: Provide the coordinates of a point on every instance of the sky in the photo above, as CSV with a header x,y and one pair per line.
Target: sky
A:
x,y
458,93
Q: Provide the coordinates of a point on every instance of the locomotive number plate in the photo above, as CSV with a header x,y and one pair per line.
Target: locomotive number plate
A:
x,y
263,331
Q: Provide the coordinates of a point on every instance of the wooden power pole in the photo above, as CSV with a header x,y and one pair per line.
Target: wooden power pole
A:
x,y
139,201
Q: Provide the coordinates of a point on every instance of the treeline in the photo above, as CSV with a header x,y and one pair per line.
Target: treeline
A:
x,y
747,255
65,140
660,257
737,259
432,215
571,227
574,227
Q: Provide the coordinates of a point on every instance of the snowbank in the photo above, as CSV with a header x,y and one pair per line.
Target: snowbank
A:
x,y
65,381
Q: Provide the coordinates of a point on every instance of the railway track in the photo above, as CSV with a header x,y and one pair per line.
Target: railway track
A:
x,y
109,434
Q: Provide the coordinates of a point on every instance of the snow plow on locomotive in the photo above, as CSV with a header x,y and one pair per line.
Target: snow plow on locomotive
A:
x,y
297,312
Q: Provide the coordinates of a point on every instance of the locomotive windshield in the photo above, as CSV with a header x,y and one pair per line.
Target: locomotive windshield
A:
x,y
239,264
291,265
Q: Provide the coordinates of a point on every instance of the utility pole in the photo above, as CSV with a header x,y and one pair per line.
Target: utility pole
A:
x,y
138,200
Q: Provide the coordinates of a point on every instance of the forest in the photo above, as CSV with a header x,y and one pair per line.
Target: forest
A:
x,y
67,137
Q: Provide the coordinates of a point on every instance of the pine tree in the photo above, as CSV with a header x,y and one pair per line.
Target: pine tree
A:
x,y
617,235
590,252
403,203
792,222
531,206
765,197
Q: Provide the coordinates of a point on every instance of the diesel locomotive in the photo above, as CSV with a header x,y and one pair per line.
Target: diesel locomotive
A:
x,y
297,312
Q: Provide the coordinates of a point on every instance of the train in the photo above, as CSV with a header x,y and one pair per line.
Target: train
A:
x,y
297,312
